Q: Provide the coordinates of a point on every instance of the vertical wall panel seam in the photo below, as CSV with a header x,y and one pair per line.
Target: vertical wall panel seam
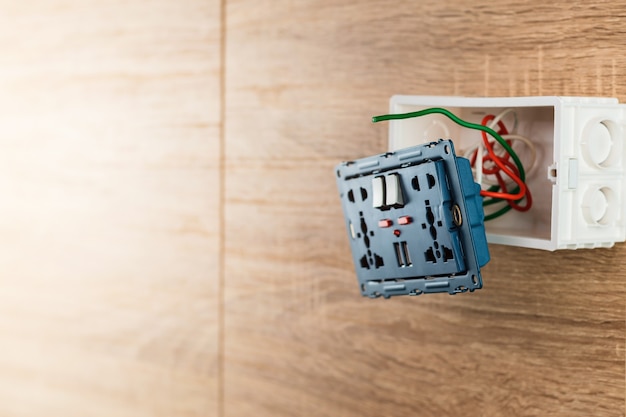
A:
x,y
222,213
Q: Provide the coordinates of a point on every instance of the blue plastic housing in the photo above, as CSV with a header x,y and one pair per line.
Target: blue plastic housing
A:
x,y
415,221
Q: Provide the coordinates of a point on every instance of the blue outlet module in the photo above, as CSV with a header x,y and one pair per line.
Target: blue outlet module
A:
x,y
415,221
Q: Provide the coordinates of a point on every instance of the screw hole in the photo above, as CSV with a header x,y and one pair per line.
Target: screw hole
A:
x,y
457,217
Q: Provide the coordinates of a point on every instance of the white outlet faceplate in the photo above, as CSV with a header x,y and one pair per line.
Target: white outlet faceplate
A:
x,y
578,187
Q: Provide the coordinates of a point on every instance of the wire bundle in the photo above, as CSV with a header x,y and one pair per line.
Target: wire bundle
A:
x,y
492,164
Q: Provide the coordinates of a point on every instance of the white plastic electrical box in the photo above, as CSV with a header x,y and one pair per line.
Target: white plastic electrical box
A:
x,y
578,186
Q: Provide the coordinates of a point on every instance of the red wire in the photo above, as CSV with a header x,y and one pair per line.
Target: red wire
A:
x,y
496,171
502,130
500,162
513,204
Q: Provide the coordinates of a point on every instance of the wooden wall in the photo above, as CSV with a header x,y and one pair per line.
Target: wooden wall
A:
x,y
172,239
546,334
109,121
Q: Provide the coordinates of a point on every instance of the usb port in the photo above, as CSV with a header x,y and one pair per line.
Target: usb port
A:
x,y
402,254
405,252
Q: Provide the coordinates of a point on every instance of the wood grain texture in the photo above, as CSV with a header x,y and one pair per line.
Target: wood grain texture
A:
x,y
109,115
545,337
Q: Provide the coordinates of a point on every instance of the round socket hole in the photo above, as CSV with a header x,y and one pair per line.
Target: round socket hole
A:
x,y
600,206
601,143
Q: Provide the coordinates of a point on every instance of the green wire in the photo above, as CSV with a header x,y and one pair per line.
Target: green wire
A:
x,y
468,125
461,122
492,201
497,213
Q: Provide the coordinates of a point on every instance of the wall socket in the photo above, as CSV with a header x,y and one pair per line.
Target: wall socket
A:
x,y
414,220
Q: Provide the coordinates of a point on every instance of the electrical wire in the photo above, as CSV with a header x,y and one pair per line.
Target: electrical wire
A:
x,y
500,162
510,138
497,120
457,120
498,183
514,170
470,153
